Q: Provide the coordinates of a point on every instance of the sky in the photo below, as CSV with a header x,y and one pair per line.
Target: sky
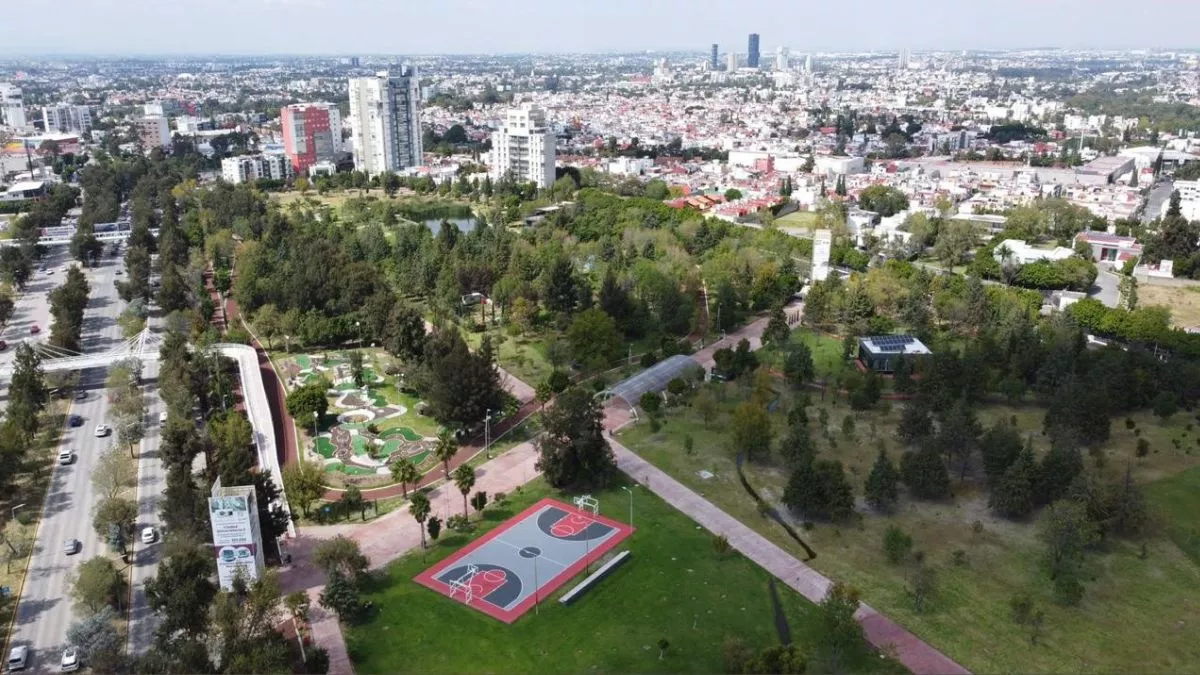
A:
x,y
114,27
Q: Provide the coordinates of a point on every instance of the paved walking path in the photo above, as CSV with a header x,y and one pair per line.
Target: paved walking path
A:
x,y
916,655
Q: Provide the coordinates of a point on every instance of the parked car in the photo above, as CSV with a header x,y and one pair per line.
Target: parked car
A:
x,y
71,546
66,457
162,417
70,660
81,395
34,330
102,430
18,658
148,535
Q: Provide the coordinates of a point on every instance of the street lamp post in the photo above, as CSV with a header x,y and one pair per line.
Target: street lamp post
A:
x,y
316,417
358,332
487,420
630,491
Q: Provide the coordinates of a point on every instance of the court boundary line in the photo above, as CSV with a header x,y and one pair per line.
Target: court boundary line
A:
x,y
428,578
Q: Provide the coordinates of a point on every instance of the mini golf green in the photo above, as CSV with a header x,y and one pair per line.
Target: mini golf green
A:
x,y
404,432
325,448
359,445
349,469
304,362
390,447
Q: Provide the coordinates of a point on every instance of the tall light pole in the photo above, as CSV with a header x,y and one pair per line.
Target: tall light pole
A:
x,y
316,417
487,421
358,332
630,491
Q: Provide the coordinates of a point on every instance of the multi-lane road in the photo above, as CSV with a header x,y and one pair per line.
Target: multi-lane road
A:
x,y
45,611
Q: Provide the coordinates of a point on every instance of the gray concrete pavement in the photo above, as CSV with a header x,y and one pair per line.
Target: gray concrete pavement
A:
x,y
151,484
45,611
1107,287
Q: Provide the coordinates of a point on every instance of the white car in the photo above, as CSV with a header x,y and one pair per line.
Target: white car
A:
x,y
148,535
66,457
71,546
70,660
18,657
162,417
102,430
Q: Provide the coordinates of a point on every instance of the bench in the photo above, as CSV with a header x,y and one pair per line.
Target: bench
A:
x,y
594,578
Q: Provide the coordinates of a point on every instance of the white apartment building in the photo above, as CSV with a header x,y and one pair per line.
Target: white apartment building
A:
x,y
385,113
154,132
1189,199
12,106
524,147
67,119
249,168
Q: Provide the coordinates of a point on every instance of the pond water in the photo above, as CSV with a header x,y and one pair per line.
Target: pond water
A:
x,y
464,224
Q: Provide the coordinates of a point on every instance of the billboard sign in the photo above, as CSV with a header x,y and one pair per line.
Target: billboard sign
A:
x,y
822,247
235,541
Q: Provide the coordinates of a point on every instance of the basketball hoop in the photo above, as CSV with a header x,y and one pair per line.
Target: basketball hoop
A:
x,y
463,584
588,503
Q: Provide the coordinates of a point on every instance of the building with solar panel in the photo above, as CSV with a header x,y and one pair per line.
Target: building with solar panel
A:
x,y
881,353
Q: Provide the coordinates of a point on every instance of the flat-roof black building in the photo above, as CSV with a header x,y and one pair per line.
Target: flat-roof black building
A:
x,y
880,353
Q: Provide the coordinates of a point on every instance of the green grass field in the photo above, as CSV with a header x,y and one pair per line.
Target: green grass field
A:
x,y
804,219
675,587
524,357
1130,603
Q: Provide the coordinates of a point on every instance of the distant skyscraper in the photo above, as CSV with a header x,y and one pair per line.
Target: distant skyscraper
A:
x,y
312,132
385,113
713,63
752,51
781,58
154,131
902,60
523,148
808,64
12,106
731,61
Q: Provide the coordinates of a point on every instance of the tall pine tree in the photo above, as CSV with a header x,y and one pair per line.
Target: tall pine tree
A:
x,y
882,484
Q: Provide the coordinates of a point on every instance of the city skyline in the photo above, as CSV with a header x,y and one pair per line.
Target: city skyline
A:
x,y
276,27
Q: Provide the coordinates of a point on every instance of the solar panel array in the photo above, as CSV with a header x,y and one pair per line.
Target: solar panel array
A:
x,y
892,343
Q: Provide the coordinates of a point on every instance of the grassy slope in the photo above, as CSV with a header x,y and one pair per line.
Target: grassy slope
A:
x,y
1130,604
675,587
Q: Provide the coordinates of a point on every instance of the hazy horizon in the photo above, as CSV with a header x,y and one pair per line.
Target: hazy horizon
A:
x,y
482,27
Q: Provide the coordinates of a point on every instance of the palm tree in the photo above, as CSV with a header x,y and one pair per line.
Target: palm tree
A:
x,y
464,478
1006,257
446,448
405,472
419,508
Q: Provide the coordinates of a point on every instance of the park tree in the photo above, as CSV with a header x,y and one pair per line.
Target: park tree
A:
x,y
114,512
897,544
182,591
244,628
797,447
819,489
97,584
705,405
113,473
404,472
434,526
352,500
572,452
839,634
798,366
916,423
420,509
594,339
882,489
464,480
459,386
885,200
308,401
924,473
751,431
303,481
958,436
1055,473
1012,493
999,446
96,639
445,450
67,303
341,595
1067,532
341,555
777,331
955,239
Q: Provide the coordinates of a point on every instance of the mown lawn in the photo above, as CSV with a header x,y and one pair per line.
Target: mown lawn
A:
x,y
524,356
674,587
1137,615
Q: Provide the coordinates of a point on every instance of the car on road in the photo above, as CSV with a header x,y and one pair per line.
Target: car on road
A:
x,y
81,395
3,345
34,330
148,535
18,658
66,457
102,430
162,417
70,660
71,546
75,421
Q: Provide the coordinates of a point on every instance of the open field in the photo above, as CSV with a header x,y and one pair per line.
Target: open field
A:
x,y
1136,615
798,219
524,356
1183,301
675,587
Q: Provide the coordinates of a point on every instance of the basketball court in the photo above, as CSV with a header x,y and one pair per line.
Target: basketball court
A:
x,y
506,571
